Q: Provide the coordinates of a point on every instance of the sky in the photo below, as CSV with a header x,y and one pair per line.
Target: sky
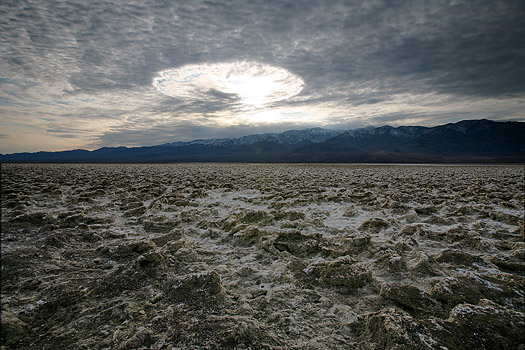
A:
x,y
91,74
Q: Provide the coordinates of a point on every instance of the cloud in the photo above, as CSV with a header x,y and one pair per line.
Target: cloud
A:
x,y
91,65
112,45
250,83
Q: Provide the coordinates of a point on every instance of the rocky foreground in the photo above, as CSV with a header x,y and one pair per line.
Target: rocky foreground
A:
x,y
222,256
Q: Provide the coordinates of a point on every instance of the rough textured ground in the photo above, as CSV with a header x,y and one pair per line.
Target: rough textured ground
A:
x,y
222,256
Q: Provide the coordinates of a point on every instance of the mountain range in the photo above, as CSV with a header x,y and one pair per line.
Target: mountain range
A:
x,y
468,141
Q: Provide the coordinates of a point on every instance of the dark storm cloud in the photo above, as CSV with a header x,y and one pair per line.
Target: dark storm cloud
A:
x,y
477,49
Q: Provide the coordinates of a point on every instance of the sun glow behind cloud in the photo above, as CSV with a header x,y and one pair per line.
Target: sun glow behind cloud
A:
x,y
255,84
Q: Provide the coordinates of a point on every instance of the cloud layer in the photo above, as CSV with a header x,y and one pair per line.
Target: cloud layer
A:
x,y
80,74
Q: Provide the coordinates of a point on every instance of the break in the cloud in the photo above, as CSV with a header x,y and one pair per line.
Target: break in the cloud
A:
x,y
252,83
105,73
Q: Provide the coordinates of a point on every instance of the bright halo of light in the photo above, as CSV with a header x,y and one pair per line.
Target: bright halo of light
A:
x,y
255,84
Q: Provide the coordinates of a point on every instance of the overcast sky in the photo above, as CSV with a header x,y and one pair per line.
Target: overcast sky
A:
x,y
87,74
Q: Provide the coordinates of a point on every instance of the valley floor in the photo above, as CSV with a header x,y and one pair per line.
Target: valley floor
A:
x,y
262,256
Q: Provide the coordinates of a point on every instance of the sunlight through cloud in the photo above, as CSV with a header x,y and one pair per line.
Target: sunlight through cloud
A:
x,y
255,84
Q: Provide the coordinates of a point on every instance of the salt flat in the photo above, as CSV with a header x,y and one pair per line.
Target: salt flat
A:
x,y
262,256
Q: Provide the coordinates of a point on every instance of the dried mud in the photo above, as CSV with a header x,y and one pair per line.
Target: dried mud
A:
x,y
223,256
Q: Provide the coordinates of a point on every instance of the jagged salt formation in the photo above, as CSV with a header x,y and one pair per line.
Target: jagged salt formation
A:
x,y
209,256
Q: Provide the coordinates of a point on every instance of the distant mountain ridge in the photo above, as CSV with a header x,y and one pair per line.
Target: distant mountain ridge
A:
x,y
288,137
468,141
